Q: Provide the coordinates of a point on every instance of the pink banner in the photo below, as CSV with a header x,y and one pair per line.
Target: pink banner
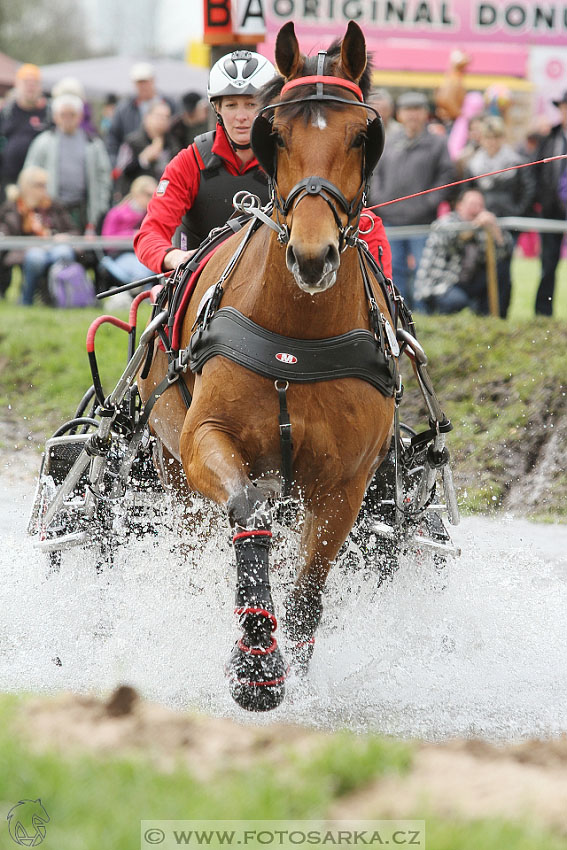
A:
x,y
453,21
419,36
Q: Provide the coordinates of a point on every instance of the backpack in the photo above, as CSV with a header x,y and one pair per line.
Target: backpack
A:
x,y
69,285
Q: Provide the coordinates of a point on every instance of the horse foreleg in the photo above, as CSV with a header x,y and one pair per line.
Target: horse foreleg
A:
x,y
329,520
214,465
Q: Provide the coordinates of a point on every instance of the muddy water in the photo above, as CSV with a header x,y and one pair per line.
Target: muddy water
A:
x,y
482,652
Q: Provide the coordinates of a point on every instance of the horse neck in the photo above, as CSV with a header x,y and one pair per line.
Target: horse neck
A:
x,y
273,299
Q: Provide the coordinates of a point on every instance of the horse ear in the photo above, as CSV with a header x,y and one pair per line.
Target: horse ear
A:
x,y
353,52
288,57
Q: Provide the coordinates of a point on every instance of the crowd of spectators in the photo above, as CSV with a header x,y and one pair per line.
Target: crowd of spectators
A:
x,y
65,169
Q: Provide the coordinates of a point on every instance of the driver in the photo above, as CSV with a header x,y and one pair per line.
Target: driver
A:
x,y
196,189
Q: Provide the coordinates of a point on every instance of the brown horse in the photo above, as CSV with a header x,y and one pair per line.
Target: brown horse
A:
x,y
310,288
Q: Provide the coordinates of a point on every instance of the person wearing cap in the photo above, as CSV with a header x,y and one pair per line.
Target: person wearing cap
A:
x,y
22,118
190,122
551,193
196,189
413,160
129,113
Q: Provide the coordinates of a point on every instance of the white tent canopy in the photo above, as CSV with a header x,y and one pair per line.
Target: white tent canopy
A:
x,y
111,74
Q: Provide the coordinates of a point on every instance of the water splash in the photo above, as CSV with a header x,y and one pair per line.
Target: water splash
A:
x,y
485,656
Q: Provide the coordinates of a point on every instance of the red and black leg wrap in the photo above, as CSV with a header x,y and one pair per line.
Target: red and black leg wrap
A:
x,y
256,668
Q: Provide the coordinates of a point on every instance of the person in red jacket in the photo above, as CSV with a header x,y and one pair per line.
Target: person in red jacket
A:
x,y
196,189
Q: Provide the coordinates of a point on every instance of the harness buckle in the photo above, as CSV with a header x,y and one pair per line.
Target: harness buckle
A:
x,y
245,202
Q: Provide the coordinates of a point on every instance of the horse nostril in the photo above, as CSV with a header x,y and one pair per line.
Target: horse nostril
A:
x,y
290,257
332,257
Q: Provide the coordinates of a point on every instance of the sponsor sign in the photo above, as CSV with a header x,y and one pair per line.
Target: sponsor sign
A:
x,y
228,21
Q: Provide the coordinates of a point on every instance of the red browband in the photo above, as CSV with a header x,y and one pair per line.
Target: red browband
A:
x,y
331,81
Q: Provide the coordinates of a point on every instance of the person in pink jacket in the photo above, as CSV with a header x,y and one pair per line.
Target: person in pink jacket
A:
x,y
125,219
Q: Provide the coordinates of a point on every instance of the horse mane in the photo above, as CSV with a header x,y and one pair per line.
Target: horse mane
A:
x,y
271,91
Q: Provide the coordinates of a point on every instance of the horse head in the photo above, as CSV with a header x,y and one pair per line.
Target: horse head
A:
x,y
319,148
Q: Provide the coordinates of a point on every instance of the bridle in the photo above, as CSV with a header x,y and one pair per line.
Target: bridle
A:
x,y
263,144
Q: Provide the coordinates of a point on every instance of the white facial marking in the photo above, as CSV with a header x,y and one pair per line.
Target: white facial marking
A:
x,y
319,120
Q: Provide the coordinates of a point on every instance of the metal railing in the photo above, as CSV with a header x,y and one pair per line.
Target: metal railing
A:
x,y
113,243
104,243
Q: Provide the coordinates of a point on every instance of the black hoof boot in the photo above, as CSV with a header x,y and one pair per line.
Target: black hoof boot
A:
x,y
256,668
303,614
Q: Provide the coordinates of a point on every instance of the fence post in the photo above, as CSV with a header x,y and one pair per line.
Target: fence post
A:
x,y
491,276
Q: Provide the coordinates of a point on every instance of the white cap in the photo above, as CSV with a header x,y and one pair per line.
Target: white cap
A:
x,y
142,71
240,72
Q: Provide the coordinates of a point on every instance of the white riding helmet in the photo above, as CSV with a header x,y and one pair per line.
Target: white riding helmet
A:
x,y
241,72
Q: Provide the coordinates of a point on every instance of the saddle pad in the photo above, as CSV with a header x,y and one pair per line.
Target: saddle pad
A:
x,y
190,283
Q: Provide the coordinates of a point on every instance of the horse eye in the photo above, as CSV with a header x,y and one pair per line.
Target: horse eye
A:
x,y
359,140
279,141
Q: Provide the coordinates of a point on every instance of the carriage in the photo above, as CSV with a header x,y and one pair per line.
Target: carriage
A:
x,y
269,375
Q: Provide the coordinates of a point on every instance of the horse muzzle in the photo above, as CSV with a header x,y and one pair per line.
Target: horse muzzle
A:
x,y
313,273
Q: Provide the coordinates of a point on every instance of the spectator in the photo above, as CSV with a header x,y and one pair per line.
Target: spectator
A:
x,y
77,164
452,272
107,114
551,182
414,159
129,112
471,146
22,118
191,122
146,150
382,100
31,212
125,219
510,193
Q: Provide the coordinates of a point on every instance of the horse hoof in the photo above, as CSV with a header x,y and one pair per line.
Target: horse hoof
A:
x,y
256,676
301,655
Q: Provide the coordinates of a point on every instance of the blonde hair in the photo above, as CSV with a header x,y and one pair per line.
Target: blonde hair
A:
x,y
28,174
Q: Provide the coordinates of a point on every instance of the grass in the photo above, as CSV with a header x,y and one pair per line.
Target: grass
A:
x,y
99,802
44,369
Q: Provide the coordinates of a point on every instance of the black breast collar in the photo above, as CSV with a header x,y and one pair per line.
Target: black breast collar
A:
x,y
355,354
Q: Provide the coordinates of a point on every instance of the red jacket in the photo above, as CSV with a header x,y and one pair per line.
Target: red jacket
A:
x,y
175,194
375,239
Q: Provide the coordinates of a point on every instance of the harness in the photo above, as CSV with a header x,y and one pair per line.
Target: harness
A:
x,y
369,355
213,203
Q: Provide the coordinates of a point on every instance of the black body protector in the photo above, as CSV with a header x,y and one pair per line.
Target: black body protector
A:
x,y
213,205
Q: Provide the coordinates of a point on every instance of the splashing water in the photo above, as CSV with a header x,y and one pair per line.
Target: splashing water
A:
x,y
485,655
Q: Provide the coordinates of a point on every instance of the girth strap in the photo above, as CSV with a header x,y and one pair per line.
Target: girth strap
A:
x,y
286,446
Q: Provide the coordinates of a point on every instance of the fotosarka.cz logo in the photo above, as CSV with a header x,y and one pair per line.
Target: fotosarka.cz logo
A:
x,y
26,822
